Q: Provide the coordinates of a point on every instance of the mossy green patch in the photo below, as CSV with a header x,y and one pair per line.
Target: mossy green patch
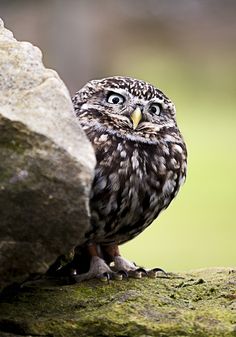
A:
x,y
14,136
201,303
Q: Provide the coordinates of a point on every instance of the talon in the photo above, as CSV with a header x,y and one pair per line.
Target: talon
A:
x,y
118,276
152,273
142,270
107,275
156,270
123,273
104,277
138,274
135,274
73,272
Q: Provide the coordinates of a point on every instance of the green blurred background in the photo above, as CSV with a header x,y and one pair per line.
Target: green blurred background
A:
x,y
188,49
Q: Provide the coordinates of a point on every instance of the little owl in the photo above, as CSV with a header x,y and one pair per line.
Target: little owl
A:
x,y
141,164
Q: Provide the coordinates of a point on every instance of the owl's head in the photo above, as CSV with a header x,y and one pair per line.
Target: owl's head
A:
x,y
125,107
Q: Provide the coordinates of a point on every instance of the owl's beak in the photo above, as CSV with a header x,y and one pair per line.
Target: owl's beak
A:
x,y
136,117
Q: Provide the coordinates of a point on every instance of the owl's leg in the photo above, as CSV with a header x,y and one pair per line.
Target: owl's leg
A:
x,y
98,267
112,253
130,268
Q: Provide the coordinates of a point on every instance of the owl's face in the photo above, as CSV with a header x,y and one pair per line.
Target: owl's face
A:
x,y
125,107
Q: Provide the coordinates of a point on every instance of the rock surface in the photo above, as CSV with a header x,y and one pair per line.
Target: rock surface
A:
x,y
46,163
198,303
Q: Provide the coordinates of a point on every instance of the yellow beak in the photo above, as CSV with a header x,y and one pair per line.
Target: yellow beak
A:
x,y
136,117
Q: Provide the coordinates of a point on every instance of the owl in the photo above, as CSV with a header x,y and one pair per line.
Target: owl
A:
x,y
141,164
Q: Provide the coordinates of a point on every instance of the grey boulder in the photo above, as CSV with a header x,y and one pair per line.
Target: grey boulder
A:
x,y
46,164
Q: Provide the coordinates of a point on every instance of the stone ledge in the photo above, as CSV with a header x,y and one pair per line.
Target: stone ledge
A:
x,y
196,303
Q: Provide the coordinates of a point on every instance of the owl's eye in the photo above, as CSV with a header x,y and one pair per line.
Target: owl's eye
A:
x,y
115,98
155,108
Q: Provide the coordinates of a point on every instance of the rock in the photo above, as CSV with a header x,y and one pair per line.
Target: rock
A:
x,y
46,164
197,303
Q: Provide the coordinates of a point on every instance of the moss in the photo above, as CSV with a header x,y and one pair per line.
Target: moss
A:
x,y
14,136
175,306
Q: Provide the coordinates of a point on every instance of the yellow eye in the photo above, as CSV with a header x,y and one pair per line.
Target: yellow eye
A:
x,y
115,98
155,108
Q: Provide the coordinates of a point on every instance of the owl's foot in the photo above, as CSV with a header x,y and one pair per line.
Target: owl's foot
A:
x,y
128,268
121,264
98,269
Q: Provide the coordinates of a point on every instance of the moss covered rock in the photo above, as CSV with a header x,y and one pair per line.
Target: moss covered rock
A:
x,y
198,303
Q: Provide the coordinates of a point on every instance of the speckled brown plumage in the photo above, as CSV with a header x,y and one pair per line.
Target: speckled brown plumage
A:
x,y
141,155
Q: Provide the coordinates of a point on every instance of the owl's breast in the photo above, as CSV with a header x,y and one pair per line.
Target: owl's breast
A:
x,y
133,183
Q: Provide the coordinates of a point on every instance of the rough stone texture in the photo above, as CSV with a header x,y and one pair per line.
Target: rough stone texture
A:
x,y
200,303
46,163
